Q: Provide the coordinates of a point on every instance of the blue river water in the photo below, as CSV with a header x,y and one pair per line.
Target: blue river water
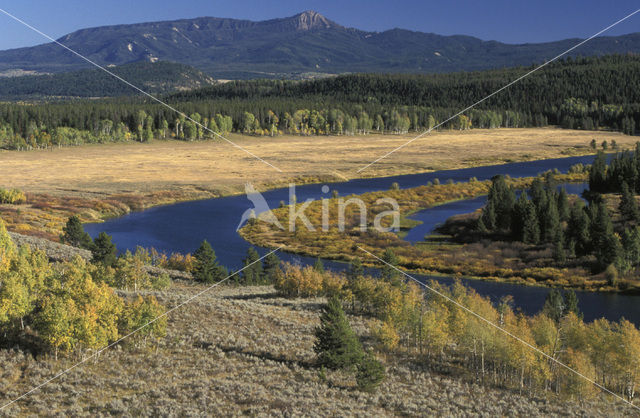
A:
x,y
181,227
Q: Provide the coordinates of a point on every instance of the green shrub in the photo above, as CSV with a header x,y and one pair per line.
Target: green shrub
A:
x,y
370,373
161,281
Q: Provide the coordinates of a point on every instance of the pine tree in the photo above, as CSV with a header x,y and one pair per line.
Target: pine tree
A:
x,y
252,273
538,195
559,253
550,183
480,226
563,206
631,245
628,205
487,221
519,215
554,305
571,303
355,269
550,221
370,373
502,200
318,265
74,234
597,173
611,253
103,250
606,244
531,226
578,227
271,268
388,271
337,345
206,268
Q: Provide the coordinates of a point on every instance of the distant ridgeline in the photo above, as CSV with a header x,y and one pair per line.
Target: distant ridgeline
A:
x,y
158,78
584,93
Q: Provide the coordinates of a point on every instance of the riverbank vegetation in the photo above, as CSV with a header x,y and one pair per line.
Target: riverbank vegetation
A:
x,y
585,93
603,237
471,252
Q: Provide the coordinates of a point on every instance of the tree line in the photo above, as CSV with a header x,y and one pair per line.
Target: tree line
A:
x,y
586,233
585,93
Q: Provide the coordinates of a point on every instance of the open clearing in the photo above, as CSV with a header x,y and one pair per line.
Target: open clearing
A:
x,y
219,168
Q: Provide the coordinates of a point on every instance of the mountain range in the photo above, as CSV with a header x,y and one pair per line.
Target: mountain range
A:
x,y
300,45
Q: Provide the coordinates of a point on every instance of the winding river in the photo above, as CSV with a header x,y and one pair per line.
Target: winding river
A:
x,y
181,227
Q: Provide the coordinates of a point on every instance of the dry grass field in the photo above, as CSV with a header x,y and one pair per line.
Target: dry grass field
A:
x,y
246,351
106,180
219,168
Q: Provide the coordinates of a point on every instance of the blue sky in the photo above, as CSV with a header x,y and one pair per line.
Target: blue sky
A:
x,y
502,20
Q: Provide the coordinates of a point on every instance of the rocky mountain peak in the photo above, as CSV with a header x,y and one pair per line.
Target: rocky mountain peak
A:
x,y
311,19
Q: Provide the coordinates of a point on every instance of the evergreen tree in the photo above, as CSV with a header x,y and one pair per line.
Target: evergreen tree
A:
x,y
578,228
206,268
502,199
611,253
103,250
271,268
355,269
550,221
550,183
628,205
559,253
487,221
563,205
388,271
571,303
631,246
597,173
554,305
318,265
606,245
337,345
519,215
538,195
480,226
74,234
370,373
252,273
531,225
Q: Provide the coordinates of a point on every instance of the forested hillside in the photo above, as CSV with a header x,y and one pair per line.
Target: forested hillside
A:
x,y
587,93
160,77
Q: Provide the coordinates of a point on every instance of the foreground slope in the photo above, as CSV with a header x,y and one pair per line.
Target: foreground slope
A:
x,y
247,351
